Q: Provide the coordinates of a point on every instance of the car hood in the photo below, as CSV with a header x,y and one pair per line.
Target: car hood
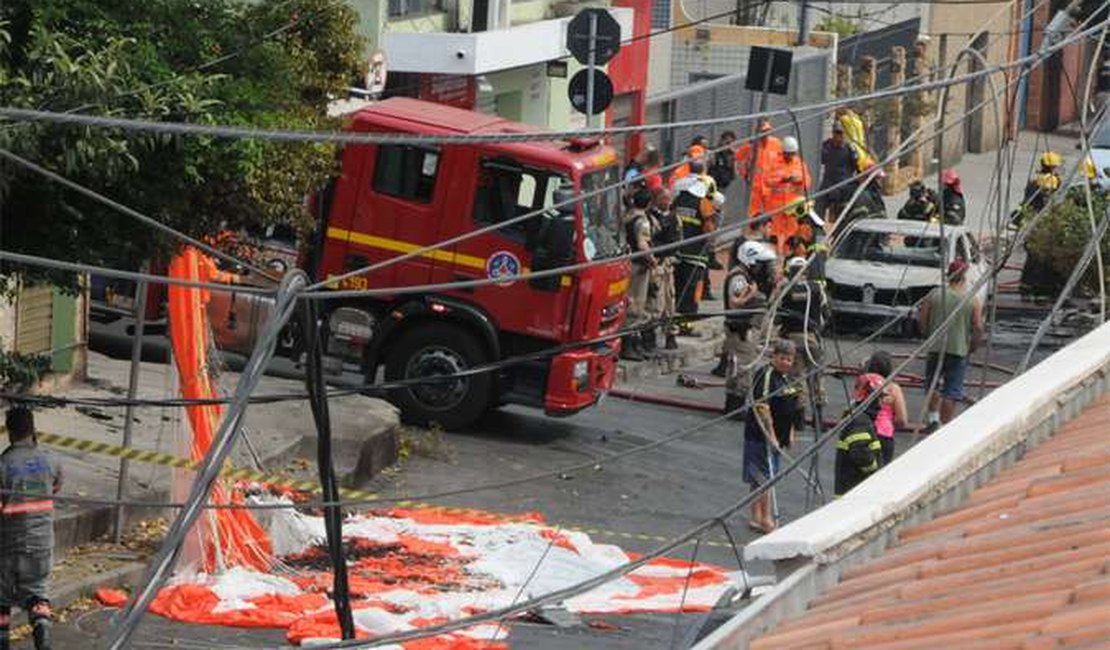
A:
x,y
880,276
1101,158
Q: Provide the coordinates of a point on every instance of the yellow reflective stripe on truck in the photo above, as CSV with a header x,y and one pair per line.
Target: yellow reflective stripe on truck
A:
x,y
398,246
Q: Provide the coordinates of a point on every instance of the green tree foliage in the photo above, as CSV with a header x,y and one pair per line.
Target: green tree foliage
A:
x,y
269,64
841,25
1058,241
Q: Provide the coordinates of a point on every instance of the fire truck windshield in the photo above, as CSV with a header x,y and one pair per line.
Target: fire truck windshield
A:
x,y
601,214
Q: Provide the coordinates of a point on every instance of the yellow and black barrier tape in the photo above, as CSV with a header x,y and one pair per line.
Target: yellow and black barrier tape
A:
x,y
242,474
170,460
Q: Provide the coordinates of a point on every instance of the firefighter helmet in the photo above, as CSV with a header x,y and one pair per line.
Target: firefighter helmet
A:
x,y
1051,159
795,264
754,252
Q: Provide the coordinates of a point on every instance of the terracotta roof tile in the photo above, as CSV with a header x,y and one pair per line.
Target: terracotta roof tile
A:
x,y
968,622
988,638
1023,563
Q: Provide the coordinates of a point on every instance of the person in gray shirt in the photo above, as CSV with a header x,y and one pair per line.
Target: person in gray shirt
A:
x,y
29,477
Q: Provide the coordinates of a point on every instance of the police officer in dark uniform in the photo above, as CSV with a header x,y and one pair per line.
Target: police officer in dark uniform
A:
x,y
692,260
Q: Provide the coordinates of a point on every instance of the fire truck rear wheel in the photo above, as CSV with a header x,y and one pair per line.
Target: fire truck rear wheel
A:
x,y
437,349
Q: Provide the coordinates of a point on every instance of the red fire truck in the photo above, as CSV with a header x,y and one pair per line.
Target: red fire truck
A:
x,y
392,199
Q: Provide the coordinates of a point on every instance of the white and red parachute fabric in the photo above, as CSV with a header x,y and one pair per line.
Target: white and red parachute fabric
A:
x,y
416,568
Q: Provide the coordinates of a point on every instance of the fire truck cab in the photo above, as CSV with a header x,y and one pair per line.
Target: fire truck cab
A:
x,y
391,199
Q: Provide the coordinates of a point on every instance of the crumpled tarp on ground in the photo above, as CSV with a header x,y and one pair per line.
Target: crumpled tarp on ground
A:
x,y
418,568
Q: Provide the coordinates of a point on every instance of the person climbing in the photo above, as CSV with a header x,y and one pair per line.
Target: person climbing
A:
x,y
952,198
29,477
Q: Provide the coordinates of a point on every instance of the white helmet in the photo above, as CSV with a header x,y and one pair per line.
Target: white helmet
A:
x,y
691,184
754,252
790,144
794,264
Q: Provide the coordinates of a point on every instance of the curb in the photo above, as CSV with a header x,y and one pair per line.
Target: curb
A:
x,y
373,453
705,348
128,575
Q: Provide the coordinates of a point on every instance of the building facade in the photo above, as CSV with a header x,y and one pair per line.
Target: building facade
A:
x,y
501,56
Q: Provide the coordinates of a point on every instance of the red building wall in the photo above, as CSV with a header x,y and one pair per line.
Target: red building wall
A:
x,y
629,72
1053,86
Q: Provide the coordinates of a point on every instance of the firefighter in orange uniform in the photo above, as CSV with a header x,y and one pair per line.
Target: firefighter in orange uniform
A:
x,y
784,184
770,149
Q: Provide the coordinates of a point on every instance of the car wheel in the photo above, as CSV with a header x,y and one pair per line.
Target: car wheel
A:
x,y
438,349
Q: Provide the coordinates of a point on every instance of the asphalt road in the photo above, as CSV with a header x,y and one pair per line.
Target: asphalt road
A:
x,y
636,502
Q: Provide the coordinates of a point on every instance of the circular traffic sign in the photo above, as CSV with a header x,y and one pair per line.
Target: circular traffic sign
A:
x,y
603,92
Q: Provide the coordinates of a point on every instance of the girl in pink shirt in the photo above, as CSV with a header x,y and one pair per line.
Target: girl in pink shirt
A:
x,y
891,406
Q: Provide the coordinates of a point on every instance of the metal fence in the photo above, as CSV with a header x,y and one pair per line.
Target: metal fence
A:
x,y
809,84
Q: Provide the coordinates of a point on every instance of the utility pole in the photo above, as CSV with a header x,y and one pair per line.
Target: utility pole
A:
x,y
591,67
803,22
132,391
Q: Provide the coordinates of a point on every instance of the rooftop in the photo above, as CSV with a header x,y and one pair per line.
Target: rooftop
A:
x,y
1023,562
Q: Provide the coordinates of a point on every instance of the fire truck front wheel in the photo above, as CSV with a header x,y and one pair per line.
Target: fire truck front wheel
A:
x,y
436,350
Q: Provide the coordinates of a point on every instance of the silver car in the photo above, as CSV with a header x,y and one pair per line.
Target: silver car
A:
x,y
882,267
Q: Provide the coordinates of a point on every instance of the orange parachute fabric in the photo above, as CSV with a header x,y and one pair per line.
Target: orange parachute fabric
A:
x,y
230,537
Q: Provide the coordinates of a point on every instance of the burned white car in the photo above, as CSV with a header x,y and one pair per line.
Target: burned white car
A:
x,y
881,268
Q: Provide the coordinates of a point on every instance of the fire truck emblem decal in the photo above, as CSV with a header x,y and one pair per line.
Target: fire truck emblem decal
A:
x,y
503,266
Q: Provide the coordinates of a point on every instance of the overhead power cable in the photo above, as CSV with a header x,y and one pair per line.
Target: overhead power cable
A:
x,y
609,459
134,214
519,219
791,466
210,467
155,279
185,128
